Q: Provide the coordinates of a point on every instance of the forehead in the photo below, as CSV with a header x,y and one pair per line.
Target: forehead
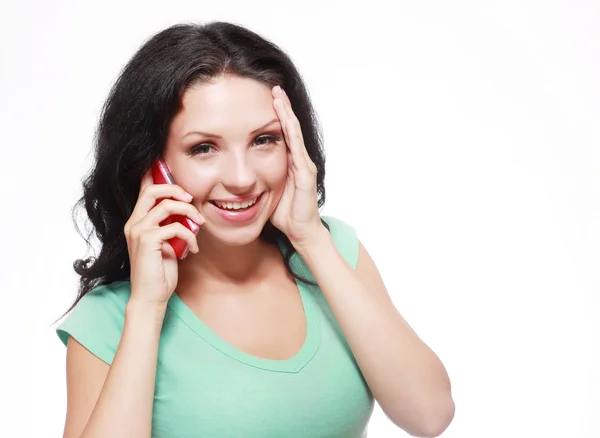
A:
x,y
223,104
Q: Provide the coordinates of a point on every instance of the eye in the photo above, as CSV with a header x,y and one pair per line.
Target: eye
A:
x,y
266,140
201,149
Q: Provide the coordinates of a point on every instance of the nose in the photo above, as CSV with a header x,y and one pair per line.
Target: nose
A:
x,y
238,175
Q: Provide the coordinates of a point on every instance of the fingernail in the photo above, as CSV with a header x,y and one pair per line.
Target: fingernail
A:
x,y
187,195
278,89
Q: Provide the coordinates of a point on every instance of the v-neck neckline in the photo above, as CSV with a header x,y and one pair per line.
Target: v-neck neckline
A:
x,y
295,364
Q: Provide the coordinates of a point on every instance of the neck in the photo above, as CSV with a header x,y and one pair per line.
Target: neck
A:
x,y
217,262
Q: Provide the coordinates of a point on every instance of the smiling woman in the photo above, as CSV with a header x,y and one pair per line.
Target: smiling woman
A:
x,y
277,322
226,146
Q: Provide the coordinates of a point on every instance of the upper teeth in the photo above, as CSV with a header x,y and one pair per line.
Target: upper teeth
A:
x,y
236,205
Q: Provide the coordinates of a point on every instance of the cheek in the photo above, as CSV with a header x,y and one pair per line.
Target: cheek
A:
x,y
275,169
199,183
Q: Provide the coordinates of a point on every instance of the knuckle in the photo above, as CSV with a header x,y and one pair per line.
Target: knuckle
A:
x,y
173,226
147,190
167,204
179,226
134,232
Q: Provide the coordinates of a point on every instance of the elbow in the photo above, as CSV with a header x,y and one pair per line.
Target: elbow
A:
x,y
434,423
430,422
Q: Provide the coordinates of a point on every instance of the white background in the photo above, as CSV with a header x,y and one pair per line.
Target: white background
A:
x,y
463,143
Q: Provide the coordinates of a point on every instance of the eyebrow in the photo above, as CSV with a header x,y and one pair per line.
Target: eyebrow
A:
x,y
208,134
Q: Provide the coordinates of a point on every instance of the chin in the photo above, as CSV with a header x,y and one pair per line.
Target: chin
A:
x,y
237,237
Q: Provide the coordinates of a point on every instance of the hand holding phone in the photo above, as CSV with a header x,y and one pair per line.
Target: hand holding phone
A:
x,y
162,175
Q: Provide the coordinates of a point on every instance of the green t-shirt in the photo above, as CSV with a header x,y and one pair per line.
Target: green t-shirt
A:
x,y
207,388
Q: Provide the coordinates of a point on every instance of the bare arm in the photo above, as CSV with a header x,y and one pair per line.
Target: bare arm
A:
x,y
115,400
406,377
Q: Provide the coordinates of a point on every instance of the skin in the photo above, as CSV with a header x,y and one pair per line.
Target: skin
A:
x,y
235,276
407,379
240,163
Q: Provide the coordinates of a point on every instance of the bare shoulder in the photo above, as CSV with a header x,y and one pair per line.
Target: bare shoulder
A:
x,y
86,374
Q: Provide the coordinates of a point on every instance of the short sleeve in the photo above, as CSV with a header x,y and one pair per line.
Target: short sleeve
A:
x,y
97,320
344,238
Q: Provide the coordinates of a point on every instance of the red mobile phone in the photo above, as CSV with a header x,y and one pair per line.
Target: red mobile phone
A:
x,y
162,175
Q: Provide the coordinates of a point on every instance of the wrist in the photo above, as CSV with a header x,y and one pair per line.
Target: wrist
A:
x,y
145,312
314,242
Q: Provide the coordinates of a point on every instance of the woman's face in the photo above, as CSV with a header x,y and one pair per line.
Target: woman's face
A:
x,y
226,149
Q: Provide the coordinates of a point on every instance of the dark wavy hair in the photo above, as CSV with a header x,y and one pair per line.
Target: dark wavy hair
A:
x,y
135,120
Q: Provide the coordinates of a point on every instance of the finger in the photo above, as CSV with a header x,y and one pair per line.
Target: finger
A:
x,y
297,128
287,100
152,194
170,207
286,104
282,114
290,125
156,238
279,93
291,132
292,115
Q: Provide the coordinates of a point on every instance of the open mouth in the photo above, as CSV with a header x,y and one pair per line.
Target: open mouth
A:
x,y
236,206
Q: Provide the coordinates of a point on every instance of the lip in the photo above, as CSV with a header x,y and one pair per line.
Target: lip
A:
x,y
238,216
237,198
